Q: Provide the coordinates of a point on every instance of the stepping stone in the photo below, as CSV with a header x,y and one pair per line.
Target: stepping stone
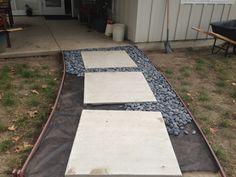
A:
x,y
116,87
122,143
107,59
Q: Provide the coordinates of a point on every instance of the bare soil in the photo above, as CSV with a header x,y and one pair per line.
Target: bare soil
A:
x,y
207,84
28,87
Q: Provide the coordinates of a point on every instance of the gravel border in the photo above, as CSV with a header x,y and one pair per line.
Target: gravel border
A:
x,y
174,113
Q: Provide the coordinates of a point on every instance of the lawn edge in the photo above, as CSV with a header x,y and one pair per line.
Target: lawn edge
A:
x,y
221,169
20,173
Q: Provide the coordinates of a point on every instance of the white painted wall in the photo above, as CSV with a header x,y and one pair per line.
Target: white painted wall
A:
x,y
18,6
182,18
125,11
150,22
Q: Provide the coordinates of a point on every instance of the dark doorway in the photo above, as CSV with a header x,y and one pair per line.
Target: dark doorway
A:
x,y
68,7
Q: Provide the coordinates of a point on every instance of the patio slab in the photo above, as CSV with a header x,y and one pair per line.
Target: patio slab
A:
x,y
107,59
34,39
48,37
116,87
122,143
71,35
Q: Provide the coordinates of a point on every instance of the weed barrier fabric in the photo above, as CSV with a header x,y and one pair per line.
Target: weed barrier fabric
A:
x,y
53,153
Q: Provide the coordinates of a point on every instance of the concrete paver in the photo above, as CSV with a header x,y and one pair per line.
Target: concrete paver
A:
x,y
107,59
122,143
116,87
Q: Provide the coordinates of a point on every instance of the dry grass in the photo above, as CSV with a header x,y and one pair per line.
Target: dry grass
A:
x,y
28,87
207,84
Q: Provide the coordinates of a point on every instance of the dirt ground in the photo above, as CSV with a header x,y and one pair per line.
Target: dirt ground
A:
x,y
207,84
28,87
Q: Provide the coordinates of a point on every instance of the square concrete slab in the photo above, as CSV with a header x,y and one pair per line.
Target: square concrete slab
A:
x,y
122,143
116,87
107,59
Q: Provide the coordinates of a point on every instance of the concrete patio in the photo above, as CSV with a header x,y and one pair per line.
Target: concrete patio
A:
x,y
45,37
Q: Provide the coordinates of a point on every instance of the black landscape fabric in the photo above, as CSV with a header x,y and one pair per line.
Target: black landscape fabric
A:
x,y
53,153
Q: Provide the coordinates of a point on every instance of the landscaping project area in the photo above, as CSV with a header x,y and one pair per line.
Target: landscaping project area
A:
x,y
115,88
104,142
28,87
207,84
118,111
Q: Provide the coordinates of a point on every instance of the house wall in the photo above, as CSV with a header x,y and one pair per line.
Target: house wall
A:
x,y
151,19
125,11
182,18
18,6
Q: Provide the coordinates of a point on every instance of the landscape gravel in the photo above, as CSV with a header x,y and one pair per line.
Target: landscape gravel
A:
x,y
174,113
